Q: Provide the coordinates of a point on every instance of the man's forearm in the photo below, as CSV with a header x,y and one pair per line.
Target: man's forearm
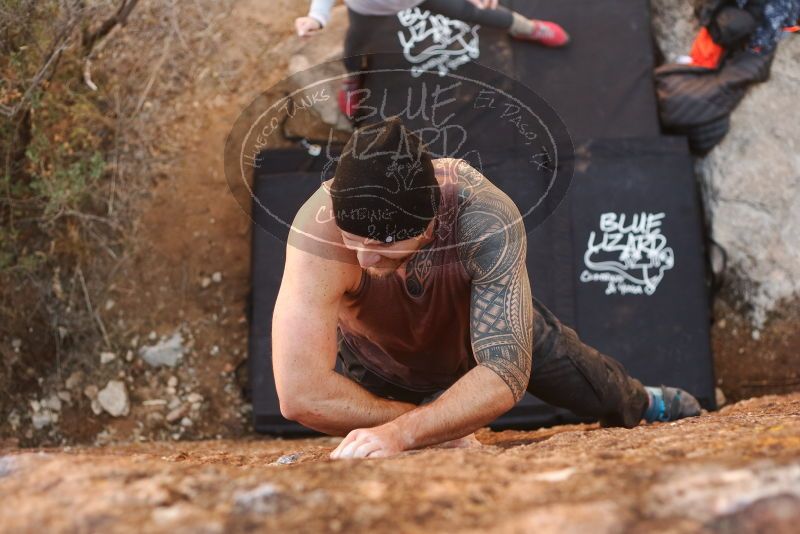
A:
x,y
341,405
476,399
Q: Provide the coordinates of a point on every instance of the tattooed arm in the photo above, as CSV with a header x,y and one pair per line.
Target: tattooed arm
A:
x,y
492,249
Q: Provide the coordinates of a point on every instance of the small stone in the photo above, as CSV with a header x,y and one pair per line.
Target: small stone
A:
x,y
42,419
196,406
114,398
720,397
96,408
217,277
152,336
214,350
174,402
106,357
722,323
186,422
14,420
53,403
109,304
170,391
74,380
135,341
172,381
62,333
166,353
194,398
756,335
154,402
65,396
555,476
90,391
176,414
35,405
16,344
205,282
129,356
288,459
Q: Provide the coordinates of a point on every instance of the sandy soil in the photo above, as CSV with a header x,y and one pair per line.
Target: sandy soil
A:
x,y
749,362
737,470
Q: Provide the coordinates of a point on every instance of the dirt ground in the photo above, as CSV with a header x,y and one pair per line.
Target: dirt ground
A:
x,y
736,470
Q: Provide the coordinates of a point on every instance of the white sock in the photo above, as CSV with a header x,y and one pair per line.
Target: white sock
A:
x,y
520,25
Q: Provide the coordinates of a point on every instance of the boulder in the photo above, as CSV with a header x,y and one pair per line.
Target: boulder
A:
x,y
751,180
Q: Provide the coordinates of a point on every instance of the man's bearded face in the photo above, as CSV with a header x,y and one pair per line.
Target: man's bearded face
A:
x,y
377,258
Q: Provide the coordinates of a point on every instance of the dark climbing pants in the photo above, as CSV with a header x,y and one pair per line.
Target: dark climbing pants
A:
x,y
359,35
566,373
468,12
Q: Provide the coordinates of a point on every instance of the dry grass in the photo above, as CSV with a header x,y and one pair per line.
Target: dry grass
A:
x,y
85,131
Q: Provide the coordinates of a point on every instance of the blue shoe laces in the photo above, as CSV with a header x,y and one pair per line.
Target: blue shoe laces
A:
x,y
657,410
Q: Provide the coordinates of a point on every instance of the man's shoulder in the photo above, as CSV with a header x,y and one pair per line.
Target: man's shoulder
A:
x,y
491,233
456,170
468,181
475,191
314,227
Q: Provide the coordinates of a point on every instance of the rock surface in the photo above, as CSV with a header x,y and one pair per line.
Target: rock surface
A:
x,y
736,470
752,178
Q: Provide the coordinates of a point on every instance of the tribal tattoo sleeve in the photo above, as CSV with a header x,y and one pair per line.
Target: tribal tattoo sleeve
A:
x,y
492,245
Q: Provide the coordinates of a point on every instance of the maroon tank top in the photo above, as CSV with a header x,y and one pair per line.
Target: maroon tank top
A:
x,y
420,342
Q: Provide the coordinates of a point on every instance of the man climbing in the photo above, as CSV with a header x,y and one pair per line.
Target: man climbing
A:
x,y
411,271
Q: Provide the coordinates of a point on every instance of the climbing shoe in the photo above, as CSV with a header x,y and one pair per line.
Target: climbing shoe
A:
x,y
670,404
350,96
543,32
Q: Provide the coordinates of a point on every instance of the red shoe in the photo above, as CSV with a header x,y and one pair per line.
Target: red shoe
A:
x,y
349,96
546,33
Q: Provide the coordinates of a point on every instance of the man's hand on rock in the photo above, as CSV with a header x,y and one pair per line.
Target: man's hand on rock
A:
x,y
387,440
378,442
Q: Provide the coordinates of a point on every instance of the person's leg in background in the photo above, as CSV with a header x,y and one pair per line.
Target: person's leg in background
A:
x,y
356,41
570,374
520,27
